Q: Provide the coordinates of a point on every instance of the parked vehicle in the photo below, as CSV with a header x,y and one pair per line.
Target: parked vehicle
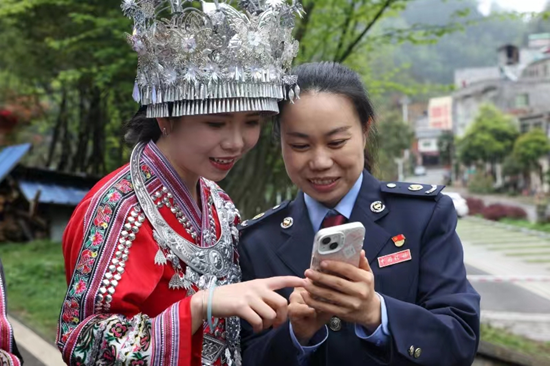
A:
x,y
419,170
461,206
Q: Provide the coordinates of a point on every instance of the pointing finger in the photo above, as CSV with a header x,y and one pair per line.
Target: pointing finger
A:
x,y
277,283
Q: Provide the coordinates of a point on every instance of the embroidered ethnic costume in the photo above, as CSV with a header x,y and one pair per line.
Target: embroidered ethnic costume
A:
x,y
9,355
136,249
138,246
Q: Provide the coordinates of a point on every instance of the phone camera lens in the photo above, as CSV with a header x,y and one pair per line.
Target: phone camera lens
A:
x,y
333,246
326,240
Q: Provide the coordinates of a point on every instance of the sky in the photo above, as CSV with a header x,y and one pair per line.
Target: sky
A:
x,y
517,5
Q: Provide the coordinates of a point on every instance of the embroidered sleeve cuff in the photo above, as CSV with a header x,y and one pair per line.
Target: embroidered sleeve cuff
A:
x,y
9,359
381,335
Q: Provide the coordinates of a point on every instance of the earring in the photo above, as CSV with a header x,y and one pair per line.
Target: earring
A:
x,y
164,132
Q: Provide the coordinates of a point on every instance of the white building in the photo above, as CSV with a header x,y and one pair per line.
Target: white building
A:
x,y
519,85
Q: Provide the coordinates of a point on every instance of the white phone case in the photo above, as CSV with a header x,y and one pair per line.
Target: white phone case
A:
x,y
349,239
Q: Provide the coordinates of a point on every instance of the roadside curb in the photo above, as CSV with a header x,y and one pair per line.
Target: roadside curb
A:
x,y
508,356
35,345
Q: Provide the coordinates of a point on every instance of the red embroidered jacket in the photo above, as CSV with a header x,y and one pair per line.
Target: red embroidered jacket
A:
x,y
118,306
9,355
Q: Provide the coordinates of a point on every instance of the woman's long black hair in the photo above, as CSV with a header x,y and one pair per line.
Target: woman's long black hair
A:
x,y
142,129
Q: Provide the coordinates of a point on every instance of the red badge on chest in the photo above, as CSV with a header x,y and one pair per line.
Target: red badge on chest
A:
x,y
399,240
394,258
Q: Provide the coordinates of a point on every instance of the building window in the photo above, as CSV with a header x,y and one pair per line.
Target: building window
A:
x,y
522,100
537,125
524,128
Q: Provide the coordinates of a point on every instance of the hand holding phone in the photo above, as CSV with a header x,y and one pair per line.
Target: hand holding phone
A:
x,y
342,243
346,288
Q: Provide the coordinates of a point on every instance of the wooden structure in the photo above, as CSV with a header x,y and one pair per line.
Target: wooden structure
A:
x,y
35,203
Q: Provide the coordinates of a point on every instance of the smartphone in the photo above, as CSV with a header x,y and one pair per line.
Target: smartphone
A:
x,y
341,243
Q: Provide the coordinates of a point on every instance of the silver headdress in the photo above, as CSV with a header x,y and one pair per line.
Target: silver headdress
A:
x,y
214,60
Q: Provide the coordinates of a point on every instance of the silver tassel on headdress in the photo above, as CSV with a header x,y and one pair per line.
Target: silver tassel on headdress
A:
x,y
217,60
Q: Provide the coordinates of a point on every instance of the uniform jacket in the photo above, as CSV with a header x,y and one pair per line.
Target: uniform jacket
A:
x,y
433,311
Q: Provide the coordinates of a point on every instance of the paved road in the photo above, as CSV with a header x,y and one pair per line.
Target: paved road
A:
x,y
433,176
508,297
502,297
523,308
35,350
29,359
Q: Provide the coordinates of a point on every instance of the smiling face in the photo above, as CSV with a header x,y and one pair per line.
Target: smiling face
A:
x,y
323,144
208,146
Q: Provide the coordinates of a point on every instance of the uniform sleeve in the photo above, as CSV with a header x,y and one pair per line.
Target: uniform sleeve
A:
x,y
381,336
93,330
442,328
270,347
8,350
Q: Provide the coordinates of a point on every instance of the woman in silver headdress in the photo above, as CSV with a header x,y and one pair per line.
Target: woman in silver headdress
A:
x,y
150,253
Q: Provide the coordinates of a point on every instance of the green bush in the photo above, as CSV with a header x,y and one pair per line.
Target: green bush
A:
x,y
481,183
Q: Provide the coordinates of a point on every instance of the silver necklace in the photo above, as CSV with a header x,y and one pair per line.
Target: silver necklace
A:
x,y
205,266
216,260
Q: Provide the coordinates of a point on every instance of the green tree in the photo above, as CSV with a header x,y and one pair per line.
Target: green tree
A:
x,y
540,23
71,56
512,169
489,139
392,137
511,166
530,148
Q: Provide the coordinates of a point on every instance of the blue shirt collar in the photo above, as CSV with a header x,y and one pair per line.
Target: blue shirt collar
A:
x,y
317,211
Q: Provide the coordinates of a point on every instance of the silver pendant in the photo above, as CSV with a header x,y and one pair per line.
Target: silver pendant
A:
x,y
176,282
160,259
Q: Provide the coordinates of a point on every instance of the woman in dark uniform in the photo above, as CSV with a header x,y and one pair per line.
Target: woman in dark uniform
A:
x,y
408,302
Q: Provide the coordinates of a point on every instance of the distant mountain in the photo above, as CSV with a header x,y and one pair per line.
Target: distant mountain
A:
x,y
475,47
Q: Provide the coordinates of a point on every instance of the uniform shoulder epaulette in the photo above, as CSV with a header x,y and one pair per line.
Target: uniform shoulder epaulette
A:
x,y
412,189
259,217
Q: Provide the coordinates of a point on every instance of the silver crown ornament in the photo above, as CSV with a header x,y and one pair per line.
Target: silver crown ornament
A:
x,y
199,57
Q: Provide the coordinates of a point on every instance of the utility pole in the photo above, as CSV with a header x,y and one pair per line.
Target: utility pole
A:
x,y
405,101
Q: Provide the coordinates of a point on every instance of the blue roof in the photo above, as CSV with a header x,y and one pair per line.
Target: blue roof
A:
x,y
52,193
10,157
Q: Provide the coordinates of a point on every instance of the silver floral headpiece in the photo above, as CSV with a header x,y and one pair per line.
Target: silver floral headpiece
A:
x,y
215,60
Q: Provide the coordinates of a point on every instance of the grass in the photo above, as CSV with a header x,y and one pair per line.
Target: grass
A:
x,y
517,343
526,254
507,245
516,246
537,260
36,284
528,225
